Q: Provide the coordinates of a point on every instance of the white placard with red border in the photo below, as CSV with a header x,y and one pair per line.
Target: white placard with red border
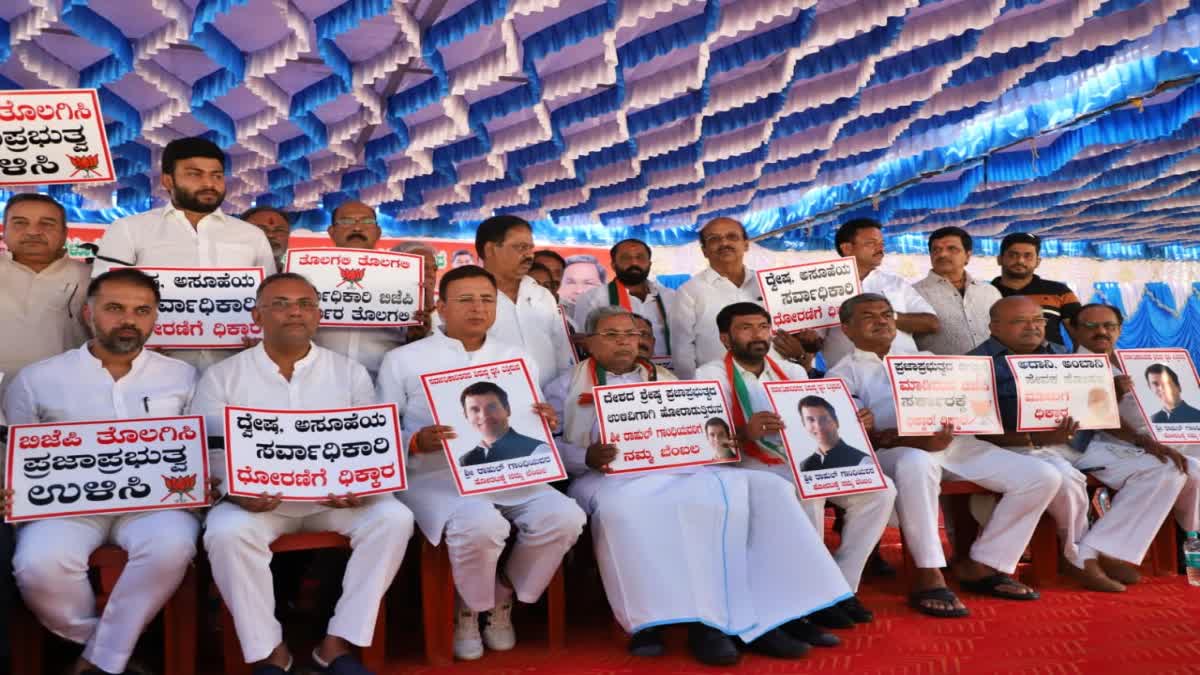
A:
x,y
108,466
1154,373
821,414
665,425
808,295
363,289
930,391
205,307
307,455
53,136
1051,387
501,442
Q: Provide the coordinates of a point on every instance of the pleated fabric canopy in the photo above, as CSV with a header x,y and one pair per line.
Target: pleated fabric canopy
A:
x,y
600,119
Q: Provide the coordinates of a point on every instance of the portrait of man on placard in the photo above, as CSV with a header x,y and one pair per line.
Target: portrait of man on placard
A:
x,y
487,410
717,431
1164,382
831,452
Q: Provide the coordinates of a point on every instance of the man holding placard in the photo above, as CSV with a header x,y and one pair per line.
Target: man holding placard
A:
x,y
737,528
111,377
477,527
1098,557
287,371
917,463
745,330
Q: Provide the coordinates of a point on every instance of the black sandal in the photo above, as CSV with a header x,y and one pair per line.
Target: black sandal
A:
x,y
990,585
917,600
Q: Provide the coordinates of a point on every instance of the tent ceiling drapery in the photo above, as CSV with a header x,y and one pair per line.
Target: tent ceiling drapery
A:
x,y
604,118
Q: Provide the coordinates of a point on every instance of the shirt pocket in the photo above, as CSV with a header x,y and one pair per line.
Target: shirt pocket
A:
x,y
163,405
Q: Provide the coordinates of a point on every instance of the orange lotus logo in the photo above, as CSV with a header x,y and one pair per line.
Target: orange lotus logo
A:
x,y
180,486
352,276
87,164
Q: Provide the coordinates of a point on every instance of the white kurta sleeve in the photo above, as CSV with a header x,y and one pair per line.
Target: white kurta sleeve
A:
x,y
914,302
209,400
116,244
20,405
574,457
362,389
264,257
682,321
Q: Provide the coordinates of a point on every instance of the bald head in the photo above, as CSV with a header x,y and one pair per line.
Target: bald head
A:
x,y
354,226
1017,322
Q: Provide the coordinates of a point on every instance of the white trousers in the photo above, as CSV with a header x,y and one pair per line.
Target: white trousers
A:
x,y
1026,485
478,530
51,568
867,515
238,544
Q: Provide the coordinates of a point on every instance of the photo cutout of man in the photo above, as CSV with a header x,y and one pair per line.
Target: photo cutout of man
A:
x,y
582,273
717,431
1100,408
461,258
821,422
1165,384
485,405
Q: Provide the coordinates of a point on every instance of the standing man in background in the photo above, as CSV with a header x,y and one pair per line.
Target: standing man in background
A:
x,y
556,265
1020,255
960,301
276,225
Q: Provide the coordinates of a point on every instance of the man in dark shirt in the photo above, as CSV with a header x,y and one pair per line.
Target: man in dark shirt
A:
x,y
485,406
1165,383
1019,256
821,422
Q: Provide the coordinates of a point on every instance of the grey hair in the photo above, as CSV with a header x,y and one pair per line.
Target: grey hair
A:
x,y
846,311
601,313
591,259
413,247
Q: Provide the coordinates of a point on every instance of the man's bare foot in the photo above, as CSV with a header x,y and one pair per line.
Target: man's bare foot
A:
x,y
1093,578
1120,570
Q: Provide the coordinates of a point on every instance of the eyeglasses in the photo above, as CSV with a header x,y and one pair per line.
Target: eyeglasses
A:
x,y
284,305
369,220
619,334
731,238
1039,321
1106,325
521,248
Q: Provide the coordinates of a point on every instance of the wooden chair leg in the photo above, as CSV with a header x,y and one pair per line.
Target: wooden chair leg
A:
x,y
437,604
1166,550
965,530
556,605
179,626
374,656
1044,552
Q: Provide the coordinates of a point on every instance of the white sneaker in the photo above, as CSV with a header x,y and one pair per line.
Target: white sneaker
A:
x,y
498,633
467,645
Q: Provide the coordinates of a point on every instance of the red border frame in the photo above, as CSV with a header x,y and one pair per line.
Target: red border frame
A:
x,y
768,386
890,358
99,118
762,289
229,475
223,345
12,448
1145,350
596,391
287,266
454,468
1010,358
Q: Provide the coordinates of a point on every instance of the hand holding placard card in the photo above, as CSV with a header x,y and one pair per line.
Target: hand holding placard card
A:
x,y
1167,390
827,446
110,466
363,289
205,307
931,391
1051,387
307,455
660,425
808,295
500,442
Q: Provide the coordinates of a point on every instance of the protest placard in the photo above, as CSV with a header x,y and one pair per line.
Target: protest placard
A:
x,y
204,307
930,391
307,455
1051,387
501,443
108,466
1167,390
659,425
827,445
53,136
808,295
363,289
572,355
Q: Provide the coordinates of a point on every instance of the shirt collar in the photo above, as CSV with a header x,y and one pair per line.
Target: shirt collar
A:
x,y
88,360
712,276
968,279
7,257
993,347
264,360
170,209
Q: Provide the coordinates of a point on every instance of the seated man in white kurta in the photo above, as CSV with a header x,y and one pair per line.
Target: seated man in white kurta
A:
x,y
1093,553
754,566
109,377
287,371
745,330
917,465
476,528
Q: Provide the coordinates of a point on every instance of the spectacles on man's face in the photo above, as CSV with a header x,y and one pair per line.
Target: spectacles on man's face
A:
x,y
285,304
520,247
616,335
368,221
1027,321
1109,326
729,237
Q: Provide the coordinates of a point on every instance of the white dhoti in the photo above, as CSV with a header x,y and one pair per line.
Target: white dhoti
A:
x,y
726,547
1026,485
238,544
867,515
51,568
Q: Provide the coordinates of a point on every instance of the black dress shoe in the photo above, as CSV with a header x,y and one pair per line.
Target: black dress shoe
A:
x,y
710,646
647,643
831,617
778,644
805,631
856,610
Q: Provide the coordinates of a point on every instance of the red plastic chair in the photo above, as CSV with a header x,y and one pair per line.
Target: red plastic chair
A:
x,y
373,657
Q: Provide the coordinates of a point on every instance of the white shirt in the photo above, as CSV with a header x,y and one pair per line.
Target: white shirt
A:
x,y
905,300
39,312
75,387
964,318
866,376
759,401
648,308
364,345
533,323
693,319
